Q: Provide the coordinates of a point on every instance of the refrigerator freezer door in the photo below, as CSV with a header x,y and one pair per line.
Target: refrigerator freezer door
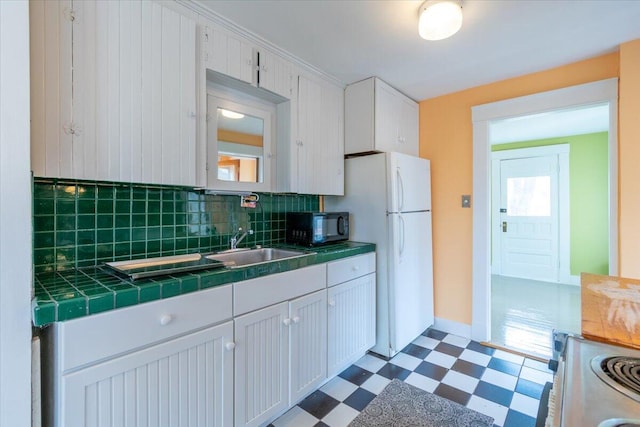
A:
x,y
409,183
410,277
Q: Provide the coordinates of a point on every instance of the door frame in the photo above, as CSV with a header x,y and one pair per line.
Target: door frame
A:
x,y
600,92
560,150
15,220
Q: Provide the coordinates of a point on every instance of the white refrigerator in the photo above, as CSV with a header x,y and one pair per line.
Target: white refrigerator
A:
x,y
389,198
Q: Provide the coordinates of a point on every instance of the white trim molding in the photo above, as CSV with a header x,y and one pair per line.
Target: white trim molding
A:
x,y
600,92
15,216
449,326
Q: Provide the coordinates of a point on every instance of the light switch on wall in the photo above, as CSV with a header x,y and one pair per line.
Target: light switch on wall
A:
x,y
466,201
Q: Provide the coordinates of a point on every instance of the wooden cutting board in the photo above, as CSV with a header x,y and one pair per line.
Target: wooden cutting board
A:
x,y
611,309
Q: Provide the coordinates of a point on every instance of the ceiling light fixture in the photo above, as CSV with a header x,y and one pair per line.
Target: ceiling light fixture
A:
x,y
231,114
439,19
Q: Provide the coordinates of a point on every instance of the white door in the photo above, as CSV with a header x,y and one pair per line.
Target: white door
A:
x,y
409,187
308,344
529,218
410,277
351,321
183,382
387,118
261,365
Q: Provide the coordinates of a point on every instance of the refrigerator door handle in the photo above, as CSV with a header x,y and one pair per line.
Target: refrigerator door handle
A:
x,y
400,190
401,250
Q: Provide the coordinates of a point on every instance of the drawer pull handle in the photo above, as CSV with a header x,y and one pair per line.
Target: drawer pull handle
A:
x,y
296,319
332,303
355,268
166,319
230,346
286,321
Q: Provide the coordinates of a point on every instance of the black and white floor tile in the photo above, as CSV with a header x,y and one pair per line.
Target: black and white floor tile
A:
x,y
502,385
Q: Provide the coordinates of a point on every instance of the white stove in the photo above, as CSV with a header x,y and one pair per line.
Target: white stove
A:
x,y
596,385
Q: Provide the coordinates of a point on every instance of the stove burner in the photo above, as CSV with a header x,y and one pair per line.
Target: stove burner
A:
x,y
620,372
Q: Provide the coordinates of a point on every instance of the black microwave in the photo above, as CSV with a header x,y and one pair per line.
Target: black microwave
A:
x,y
317,228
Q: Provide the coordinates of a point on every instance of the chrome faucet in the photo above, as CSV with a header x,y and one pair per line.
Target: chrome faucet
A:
x,y
235,239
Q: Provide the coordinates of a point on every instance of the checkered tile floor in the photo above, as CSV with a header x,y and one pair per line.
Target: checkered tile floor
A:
x,y
502,385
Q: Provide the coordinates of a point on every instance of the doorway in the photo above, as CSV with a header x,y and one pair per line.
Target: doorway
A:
x,y
530,294
603,92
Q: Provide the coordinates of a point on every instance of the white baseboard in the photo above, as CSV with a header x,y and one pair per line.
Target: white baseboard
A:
x,y
449,326
574,280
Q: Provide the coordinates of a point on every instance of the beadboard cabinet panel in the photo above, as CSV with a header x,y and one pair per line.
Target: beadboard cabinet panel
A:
x,y
185,382
280,356
51,87
133,95
228,53
351,322
379,118
275,74
262,365
319,145
308,344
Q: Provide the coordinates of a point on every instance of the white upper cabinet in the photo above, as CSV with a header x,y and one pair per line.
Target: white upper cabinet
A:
x,y
233,55
315,152
119,93
119,103
228,53
275,74
379,118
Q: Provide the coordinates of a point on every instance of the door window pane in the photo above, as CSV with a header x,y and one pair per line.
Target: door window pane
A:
x,y
529,196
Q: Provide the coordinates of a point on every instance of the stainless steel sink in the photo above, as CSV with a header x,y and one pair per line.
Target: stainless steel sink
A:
x,y
246,257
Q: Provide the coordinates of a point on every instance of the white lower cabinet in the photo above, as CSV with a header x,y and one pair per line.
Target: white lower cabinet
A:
x,y
308,333
352,310
164,363
280,357
238,354
351,320
262,365
186,382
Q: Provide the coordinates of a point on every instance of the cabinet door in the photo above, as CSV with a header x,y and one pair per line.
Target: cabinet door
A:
x,y
387,117
275,74
229,54
183,382
262,365
127,111
320,142
308,344
409,127
51,88
351,322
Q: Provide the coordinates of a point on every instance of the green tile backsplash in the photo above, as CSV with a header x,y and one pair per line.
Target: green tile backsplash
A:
x,y
83,224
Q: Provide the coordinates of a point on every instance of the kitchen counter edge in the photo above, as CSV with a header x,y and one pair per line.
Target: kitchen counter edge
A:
x,y
75,293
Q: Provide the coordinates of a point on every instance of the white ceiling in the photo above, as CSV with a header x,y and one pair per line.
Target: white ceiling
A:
x,y
354,39
552,124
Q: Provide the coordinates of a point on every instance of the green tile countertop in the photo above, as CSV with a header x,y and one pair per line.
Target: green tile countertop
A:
x,y
74,293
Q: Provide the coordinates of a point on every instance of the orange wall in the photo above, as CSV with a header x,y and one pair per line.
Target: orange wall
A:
x,y
629,157
446,138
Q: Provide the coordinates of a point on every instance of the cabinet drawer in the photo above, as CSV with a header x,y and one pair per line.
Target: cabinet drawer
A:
x,y
264,291
350,268
91,339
